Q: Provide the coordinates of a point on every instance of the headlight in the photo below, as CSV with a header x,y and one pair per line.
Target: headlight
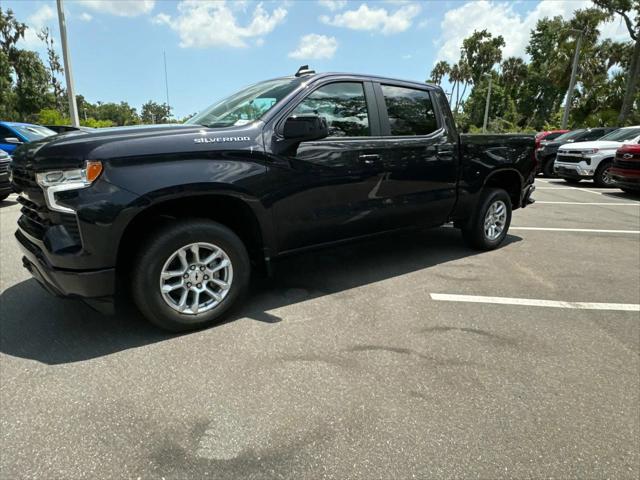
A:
x,y
55,181
589,152
79,177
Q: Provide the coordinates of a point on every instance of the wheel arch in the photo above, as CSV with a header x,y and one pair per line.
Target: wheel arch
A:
x,y
508,179
242,214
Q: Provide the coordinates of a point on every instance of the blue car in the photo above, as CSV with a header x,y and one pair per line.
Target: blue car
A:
x,y
13,134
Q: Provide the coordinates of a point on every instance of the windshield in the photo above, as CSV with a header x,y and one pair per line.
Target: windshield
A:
x,y
33,132
570,135
247,105
622,134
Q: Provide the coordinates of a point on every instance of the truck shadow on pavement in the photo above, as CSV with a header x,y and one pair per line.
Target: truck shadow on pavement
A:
x,y
37,326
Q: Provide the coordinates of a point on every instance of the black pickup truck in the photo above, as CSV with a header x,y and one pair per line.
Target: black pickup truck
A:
x,y
180,214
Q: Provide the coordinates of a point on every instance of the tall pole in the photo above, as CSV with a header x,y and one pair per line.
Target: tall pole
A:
x,y
166,80
572,82
73,107
486,106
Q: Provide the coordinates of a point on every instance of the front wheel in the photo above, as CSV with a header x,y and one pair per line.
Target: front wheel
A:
x,y
602,177
189,275
489,225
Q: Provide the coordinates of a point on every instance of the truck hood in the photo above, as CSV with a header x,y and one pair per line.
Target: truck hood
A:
x,y
600,145
72,149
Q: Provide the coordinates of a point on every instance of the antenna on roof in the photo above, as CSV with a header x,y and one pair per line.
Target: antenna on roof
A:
x,y
304,70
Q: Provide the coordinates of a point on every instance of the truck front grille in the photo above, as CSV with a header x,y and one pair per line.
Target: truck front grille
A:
x,y
4,167
37,219
632,163
568,158
24,179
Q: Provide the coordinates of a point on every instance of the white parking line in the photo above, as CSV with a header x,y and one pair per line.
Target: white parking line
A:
x,y
637,204
627,307
587,230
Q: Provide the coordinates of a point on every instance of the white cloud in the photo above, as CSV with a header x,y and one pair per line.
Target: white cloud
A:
x,y
213,23
333,5
315,46
121,8
499,18
40,18
161,19
377,19
86,17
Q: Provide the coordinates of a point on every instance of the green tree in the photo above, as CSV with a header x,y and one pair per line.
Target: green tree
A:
x,y
440,69
153,112
629,10
54,68
481,51
32,84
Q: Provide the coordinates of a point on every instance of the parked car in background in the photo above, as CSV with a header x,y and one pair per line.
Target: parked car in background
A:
x,y
625,171
548,136
546,154
13,134
5,184
593,160
67,128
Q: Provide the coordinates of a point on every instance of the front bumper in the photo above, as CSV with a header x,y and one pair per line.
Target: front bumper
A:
x,y
85,284
626,178
573,170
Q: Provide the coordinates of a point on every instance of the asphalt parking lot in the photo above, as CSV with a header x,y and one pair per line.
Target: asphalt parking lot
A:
x,y
400,357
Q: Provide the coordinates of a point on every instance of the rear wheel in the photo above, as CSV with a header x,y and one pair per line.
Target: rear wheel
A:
x,y
190,274
602,177
489,225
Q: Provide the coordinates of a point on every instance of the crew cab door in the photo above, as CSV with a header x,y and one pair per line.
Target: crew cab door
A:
x,y
419,152
326,188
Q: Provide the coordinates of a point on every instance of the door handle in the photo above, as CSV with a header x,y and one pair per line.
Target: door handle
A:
x,y
369,158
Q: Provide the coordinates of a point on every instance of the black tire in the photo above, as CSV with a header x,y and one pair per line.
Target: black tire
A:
x,y
159,247
601,175
474,232
547,168
572,181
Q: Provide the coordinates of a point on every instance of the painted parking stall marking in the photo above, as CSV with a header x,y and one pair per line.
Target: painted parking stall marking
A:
x,y
531,302
584,230
618,204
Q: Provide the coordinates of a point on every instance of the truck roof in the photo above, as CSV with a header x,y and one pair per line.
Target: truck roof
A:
x,y
376,78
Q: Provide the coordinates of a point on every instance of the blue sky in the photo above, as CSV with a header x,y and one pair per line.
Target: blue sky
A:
x,y
213,48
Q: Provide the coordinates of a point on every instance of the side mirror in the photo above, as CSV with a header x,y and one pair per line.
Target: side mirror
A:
x,y
305,128
13,140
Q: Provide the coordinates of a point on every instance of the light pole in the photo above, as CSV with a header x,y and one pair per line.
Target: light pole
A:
x,y
486,106
73,107
572,82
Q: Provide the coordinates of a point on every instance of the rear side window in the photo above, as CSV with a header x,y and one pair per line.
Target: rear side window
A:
x,y
410,111
344,106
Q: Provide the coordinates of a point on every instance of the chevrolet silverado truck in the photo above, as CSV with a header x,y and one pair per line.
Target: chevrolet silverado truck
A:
x,y
593,160
179,215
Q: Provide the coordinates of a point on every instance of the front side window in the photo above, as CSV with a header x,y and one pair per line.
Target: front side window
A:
x,y
344,106
410,111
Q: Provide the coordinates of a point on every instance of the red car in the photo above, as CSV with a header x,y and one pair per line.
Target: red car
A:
x,y
625,171
548,135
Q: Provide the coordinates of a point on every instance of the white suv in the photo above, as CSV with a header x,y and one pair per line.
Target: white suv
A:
x,y
592,160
